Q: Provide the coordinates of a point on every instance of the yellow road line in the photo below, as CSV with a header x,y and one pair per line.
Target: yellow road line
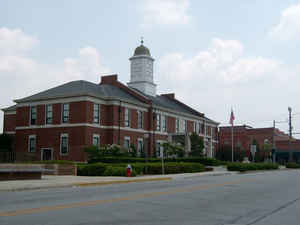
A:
x,y
122,181
103,201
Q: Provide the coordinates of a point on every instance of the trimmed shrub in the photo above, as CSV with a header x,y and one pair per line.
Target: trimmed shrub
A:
x,y
203,160
251,166
293,165
117,171
173,167
96,169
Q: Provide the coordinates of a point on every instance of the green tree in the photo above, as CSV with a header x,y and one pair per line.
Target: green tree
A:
x,y
197,145
173,149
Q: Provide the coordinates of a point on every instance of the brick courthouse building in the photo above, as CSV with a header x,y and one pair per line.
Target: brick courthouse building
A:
x,y
58,123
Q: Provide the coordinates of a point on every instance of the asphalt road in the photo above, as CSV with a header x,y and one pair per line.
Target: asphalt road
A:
x,y
248,199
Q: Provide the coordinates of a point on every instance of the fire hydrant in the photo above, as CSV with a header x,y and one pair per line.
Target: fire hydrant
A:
x,y
128,170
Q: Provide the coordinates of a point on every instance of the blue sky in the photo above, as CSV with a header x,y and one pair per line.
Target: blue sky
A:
x,y
213,54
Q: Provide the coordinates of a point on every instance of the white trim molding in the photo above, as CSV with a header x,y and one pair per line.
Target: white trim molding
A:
x,y
10,113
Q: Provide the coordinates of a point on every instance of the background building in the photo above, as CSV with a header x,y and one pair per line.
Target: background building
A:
x,y
264,138
58,123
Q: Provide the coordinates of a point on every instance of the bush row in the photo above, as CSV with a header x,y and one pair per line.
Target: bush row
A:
x,y
251,166
102,169
203,160
293,165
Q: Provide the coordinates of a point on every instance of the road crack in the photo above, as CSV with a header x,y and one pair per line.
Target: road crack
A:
x,y
274,211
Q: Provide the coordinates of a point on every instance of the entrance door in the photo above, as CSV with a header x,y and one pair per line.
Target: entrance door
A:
x,y
46,154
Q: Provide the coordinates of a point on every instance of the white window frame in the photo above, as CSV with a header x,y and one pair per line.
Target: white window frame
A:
x,y
29,138
62,113
140,119
127,117
158,122
60,147
126,138
30,117
164,123
140,150
177,124
96,116
96,136
46,111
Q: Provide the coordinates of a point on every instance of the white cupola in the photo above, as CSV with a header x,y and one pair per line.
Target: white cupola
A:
x,y
141,71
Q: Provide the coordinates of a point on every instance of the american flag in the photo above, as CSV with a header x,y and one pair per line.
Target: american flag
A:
x,y
231,118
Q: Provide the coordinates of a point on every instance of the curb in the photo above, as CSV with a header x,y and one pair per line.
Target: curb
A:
x,y
121,181
86,184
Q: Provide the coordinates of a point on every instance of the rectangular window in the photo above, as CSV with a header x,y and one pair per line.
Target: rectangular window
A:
x,y
32,143
199,128
127,117
96,113
140,119
65,113
177,125
164,123
96,140
64,144
126,142
158,122
202,128
49,114
185,126
140,146
33,115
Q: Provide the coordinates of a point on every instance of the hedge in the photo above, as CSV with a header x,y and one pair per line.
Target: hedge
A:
x,y
117,171
203,160
293,165
102,169
96,169
251,166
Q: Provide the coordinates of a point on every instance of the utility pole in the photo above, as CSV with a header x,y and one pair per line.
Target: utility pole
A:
x,y
273,143
290,133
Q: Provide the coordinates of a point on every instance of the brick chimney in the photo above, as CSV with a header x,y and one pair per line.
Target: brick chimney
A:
x,y
169,95
109,79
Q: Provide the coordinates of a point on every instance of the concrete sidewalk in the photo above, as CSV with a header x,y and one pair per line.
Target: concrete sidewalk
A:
x,y
71,181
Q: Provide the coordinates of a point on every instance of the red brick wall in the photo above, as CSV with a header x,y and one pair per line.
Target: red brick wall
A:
x,y
56,113
50,138
171,124
22,116
9,122
41,115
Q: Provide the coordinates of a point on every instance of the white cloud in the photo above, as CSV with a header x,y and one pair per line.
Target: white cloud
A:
x,y
222,76
288,27
15,41
166,12
21,75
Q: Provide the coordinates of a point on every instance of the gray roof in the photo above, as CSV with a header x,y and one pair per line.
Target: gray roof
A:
x,y
11,108
165,102
80,88
105,91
